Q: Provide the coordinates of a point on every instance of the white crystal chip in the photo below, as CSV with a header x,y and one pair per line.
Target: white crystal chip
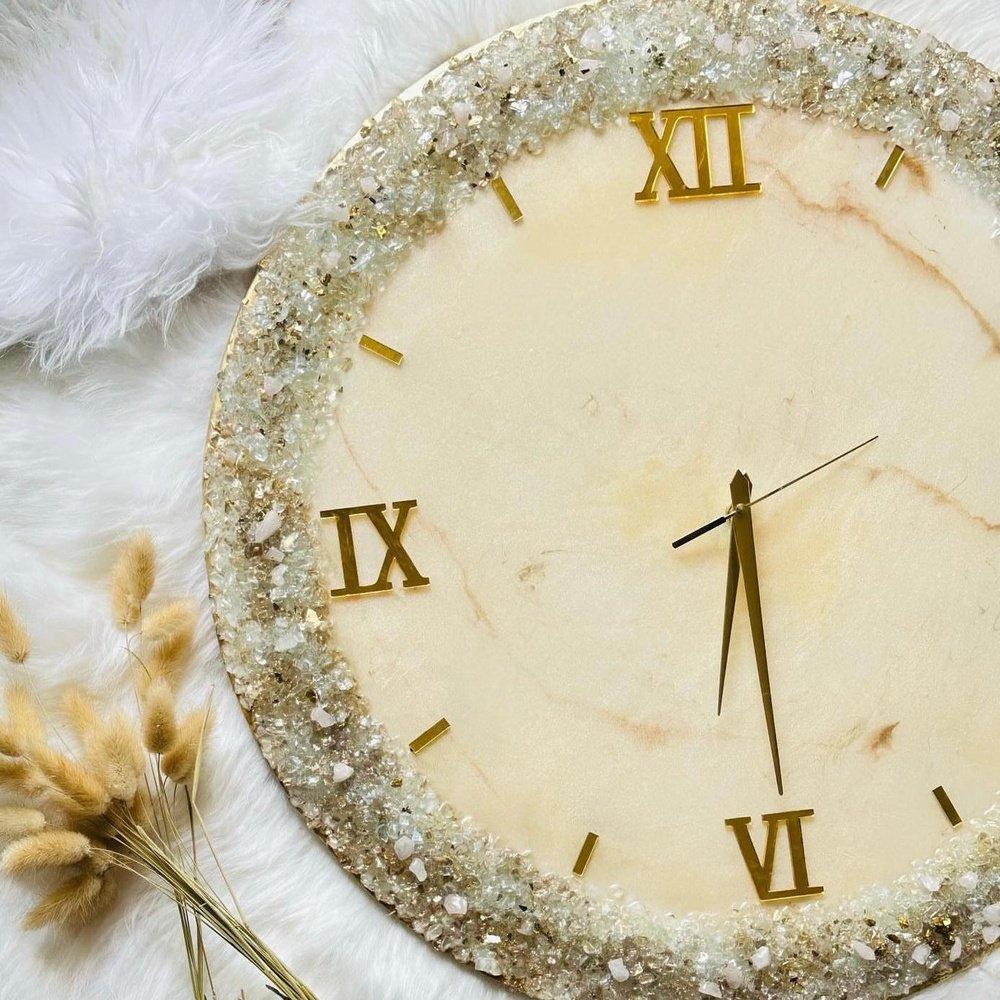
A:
x,y
949,120
969,880
341,772
288,639
932,883
956,951
863,951
991,913
322,717
618,970
271,385
266,526
418,869
761,958
485,961
991,934
710,990
456,905
921,953
403,848
733,976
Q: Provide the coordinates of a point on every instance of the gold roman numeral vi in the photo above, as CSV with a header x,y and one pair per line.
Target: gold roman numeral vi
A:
x,y
659,144
762,872
392,535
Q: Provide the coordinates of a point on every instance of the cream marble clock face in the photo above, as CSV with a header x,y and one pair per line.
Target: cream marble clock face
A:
x,y
577,391
472,402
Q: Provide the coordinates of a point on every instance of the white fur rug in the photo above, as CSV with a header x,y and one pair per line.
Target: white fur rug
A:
x,y
148,151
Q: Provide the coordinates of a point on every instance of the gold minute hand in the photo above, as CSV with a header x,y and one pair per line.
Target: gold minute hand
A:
x,y
732,585
742,519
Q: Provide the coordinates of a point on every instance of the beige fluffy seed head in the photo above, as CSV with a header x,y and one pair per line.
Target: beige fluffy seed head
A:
x,y
169,634
81,713
20,775
17,822
13,635
24,724
116,756
48,849
159,721
9,745
86,793
180,763
77,901
132,578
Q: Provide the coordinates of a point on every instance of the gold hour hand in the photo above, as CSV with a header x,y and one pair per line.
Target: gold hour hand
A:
x,y
742,520
732,584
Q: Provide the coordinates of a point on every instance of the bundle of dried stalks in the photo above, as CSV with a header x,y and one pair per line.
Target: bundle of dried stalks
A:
x,y
105,801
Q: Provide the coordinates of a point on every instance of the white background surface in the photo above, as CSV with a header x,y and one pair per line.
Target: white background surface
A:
x,y
115,115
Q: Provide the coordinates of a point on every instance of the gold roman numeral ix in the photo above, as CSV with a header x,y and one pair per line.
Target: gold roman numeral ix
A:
x,y
392,535
762,872
659,144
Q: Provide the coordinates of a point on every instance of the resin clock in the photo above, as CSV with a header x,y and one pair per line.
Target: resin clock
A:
x,y
605,541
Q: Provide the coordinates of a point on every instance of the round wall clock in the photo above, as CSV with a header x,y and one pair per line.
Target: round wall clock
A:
x,y
605,542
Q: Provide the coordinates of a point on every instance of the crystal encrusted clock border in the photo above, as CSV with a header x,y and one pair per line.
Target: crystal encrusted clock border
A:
x,y
395,184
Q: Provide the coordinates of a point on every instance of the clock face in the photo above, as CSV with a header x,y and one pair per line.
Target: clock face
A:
x,y
604,542
576,392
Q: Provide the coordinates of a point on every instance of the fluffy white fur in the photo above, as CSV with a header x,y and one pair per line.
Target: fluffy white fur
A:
x,y
147,151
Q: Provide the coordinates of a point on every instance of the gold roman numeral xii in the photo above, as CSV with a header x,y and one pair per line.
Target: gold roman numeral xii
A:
x,y
659,144
392,535
762,872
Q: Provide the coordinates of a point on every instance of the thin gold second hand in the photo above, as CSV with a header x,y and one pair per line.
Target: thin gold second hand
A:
x,y
719,521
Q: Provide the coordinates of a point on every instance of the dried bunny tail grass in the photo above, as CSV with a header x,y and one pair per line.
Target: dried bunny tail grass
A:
x,y
13,635
17,822
81,712
170,634
159,721
86,794
20,775
48,849
180,762
115,754
141,809
132,578
77,901
9,744
99,860
24,725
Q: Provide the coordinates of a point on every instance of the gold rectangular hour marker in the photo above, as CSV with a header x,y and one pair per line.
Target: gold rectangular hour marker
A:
x,y
428,736
382,350
507,199
946,804
890,168
586,852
